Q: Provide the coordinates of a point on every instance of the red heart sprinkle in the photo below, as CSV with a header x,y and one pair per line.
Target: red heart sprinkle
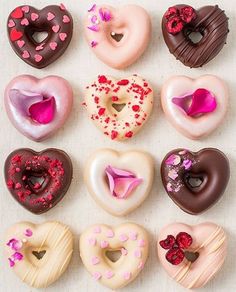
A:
x,y
17,13
15,35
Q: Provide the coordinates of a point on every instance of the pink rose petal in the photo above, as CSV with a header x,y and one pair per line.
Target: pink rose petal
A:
x,y
200,102
172,174
187,164
173,160
43,112
105,15
93,28
15,244
28,232
11,262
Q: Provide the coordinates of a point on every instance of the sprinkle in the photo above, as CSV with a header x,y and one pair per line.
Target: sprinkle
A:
x,y
123,237
97,276
92,241
114,135
133,235
109,274
62,7
104,244
124,251
95,260
138,253
173,160
94,19
187,164
141,265
110,233
141,243
173,174
28,232
127,275
97,229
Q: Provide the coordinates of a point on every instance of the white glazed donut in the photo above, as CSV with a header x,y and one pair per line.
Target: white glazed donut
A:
x,y
119,182
132,242
195,107
105,95
177,245
26,242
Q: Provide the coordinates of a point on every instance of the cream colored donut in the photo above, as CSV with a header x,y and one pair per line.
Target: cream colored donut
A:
x,y
106,93
130,239
26,241
130,172
118,36
203,112
208,240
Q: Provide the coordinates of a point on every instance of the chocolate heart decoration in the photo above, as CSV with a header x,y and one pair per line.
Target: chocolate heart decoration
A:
x,y
25,21
38,180
209,21
195,180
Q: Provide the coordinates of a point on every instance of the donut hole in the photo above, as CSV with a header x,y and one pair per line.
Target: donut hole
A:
x,y
118,106
117,36
191,256
195,182
194,36
39,254
35,181
39,36
113,255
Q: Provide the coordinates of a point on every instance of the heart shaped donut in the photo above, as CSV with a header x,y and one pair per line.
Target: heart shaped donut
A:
x,y
192,255
38,180
195,180
99,245
195,107
119,182
38,107
39,254
123,32
181,23
26,21
119,107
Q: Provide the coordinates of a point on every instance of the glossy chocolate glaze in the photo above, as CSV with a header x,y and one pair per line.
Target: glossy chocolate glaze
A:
x,y
212,23
209,165
24,21
38,180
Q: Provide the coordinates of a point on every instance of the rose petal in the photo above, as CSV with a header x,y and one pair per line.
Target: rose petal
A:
x,y
119,172
200,102
173,160
28,232
92,8
11,262
15,244
105,15
17,256
43,111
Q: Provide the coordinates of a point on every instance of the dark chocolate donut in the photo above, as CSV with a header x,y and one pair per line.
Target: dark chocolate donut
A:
x,y
26,20
195,180
181,20
38,180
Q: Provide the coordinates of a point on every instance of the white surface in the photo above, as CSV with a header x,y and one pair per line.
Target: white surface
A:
x,y
79,138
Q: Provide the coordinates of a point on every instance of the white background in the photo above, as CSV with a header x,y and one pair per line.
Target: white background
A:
x,y
79,138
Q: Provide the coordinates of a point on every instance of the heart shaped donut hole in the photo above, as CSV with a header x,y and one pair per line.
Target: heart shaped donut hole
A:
x,y
195,107
114,256
195,181
195,37
38,180
119,182
32,250
119,107
123,32
38,107
192,255
39,37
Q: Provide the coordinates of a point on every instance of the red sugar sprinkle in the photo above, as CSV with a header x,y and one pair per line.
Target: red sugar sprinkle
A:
x,y
96,99
114,135
114,98
101,111
123,82
102,79
136,108
129,134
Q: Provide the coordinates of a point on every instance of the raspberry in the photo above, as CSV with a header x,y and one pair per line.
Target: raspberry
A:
x,y
123,82
174,25
168,243
187,14
184,240
175,256
171,12
102,79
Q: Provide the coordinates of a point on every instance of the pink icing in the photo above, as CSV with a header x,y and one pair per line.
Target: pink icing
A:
x,y
121,182
200,102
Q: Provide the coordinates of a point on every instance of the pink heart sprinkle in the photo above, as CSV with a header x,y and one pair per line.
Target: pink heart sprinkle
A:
x,y
40,47
141,243
34,16
25,22
138,253
38,58
25,55
133,235
50,16
92,241
97,229
124,251
20,43
11,23
53,45
104,244
123,237
127,275
110,233
95,260
97,276
141,265
109,274
25,9
62,7
66,19
56,28
62,36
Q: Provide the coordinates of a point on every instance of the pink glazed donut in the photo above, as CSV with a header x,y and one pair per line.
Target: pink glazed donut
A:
x,y
118,36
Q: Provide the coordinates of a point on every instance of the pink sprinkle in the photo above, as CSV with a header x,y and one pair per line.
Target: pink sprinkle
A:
x,y
133,235
34,16
66,19
187,164
40,47
56,28
109,274
141,265
97,229
127,275
141,243
50,16
20,43
25,22
38,58
173,174
92,241
138,253
95,260
124,251
97,276
25,55
11,23
123,237
62,7
110,233
25,9
94,44
104,244
28,232
92,8
62,36
53,46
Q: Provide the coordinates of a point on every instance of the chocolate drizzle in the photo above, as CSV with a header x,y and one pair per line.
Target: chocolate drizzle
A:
x,y
212,23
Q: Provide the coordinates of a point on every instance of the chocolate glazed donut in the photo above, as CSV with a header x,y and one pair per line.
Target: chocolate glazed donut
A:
x,y
38,180
195,180
181,20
